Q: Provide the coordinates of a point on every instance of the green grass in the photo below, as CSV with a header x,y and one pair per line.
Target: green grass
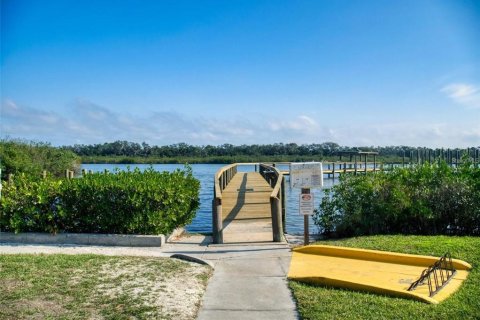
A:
x,y
316,302
91,286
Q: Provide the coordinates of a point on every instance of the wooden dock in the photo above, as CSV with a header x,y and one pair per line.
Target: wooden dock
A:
x,y
246,210
248,206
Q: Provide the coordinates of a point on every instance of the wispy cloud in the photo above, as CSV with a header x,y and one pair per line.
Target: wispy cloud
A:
x,y
463,93
90,123
300,123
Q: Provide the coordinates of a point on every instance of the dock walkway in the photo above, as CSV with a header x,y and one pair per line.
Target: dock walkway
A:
x,y
246,210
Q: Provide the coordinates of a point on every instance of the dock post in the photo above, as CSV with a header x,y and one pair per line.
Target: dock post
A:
x,y
365,164
306,228
275,204
217,231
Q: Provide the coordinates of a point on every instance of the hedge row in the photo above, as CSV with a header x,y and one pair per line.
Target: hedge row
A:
x,y
425,199
125,202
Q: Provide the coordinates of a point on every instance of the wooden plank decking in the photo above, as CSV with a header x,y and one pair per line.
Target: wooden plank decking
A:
x,y
246,210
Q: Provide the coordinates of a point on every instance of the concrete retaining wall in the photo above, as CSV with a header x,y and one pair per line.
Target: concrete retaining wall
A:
x,y
126,240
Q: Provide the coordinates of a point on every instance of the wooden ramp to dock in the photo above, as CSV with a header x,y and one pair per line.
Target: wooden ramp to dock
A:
x,y
248,206
246,210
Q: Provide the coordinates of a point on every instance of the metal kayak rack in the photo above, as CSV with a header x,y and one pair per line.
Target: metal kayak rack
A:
x,y
437,275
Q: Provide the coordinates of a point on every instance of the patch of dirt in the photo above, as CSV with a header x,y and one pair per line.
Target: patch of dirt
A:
x,y
10,285
175,290
35,309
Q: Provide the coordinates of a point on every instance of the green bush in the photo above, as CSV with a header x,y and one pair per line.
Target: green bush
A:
x,y
127,202
28,204
18,156
425,199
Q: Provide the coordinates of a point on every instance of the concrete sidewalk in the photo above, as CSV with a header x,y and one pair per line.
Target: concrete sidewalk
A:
x,y
249,280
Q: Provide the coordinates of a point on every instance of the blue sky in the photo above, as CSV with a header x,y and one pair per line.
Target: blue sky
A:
x,y
212,72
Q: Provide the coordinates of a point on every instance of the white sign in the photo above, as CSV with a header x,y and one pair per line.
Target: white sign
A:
x,y
306,175
306,204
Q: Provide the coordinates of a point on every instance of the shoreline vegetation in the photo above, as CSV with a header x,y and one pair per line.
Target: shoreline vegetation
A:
x,y
122,202
124,152
216,159
425,199
31,157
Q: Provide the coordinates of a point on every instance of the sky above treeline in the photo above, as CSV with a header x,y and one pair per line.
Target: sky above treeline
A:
x,y
358,73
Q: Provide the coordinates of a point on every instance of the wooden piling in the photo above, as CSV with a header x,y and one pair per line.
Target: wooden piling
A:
x,y
276,219
365,164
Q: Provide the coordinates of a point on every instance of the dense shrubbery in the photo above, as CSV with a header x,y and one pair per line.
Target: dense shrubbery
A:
x,y
129,202
425,199
32,158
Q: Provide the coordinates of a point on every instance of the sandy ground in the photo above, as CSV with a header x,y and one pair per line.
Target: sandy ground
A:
x,y
178,297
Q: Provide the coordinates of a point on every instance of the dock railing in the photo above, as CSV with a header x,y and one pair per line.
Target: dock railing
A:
x,y
277,199
222,178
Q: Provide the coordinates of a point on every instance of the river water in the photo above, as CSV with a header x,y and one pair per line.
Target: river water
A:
x,y
205,173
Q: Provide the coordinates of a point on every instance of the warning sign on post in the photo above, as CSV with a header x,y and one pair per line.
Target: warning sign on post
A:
x,y
306,175
306,204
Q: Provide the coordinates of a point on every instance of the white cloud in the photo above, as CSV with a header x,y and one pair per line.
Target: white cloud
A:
x,y
300,123
463,93
90,123
418,134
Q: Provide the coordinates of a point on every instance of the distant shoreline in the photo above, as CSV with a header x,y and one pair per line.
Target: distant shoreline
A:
x,y
218,160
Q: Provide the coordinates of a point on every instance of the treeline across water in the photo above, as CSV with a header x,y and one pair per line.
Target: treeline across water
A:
x,y
131,152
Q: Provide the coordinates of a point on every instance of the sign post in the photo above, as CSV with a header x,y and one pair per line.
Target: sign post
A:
x,y
306,209
306,175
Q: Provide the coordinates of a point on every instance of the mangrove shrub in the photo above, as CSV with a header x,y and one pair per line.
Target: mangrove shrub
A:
x,y
126,202
424,199
31,158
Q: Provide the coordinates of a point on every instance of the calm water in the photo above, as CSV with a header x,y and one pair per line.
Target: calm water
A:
x,y
205,173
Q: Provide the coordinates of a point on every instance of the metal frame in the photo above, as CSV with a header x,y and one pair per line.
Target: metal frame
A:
x,y
442,271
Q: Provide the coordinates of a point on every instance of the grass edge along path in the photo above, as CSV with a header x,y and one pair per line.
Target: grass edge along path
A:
x,y
90,286
315,302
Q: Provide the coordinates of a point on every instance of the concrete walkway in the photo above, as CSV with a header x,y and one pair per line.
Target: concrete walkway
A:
x,y
249,280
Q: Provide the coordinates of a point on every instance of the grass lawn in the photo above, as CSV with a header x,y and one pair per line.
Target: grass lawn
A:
x,y
99,287
330,303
